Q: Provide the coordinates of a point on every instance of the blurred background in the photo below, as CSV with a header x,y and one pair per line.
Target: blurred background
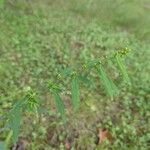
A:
x,y
39,38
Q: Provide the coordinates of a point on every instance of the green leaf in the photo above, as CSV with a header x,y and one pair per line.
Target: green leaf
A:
x,y
19,104
60,105
122,68
75,92
14,122
14,118
110,87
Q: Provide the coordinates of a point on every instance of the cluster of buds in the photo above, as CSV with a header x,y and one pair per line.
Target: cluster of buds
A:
x,y
122,52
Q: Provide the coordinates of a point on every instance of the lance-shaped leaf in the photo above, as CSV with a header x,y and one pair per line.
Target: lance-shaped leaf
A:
x,y
14,118
110,87
55,89
14,122
75,92
122,68
59,105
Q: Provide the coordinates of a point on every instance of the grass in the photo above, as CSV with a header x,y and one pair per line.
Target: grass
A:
x,y
38,39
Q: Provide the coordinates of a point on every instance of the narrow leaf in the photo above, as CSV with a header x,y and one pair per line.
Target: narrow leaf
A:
x,y
75,92
110,87
122,69
14,121
14,118
60,106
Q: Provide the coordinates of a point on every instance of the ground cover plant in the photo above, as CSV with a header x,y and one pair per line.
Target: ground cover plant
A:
x,y
66,81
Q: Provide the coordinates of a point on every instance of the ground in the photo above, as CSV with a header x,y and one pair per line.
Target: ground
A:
x,y
40,38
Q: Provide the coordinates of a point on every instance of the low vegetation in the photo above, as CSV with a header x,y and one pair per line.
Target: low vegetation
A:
x,y
74,75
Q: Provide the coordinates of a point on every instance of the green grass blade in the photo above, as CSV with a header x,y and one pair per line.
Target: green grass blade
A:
x,y
122,69
60,106
110,87
75,93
